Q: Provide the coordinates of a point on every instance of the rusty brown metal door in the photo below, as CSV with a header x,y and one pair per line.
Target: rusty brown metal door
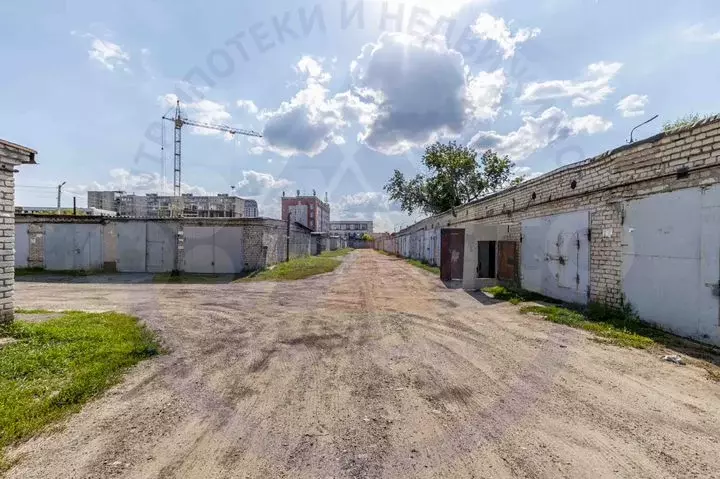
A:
x,y
507,267
452,254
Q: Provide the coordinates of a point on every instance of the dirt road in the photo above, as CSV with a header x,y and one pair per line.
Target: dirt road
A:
x,y
376,370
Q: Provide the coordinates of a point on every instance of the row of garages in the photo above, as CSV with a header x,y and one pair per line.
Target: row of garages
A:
x,y
666,247
156,246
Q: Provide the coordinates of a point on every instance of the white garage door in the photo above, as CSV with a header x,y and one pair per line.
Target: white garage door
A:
x,y
555,254
671,261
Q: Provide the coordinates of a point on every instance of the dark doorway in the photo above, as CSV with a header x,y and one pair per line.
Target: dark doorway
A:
x,y
486,259
452,254
507,268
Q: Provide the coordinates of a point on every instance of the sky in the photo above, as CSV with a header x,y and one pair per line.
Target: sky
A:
x,y
343,92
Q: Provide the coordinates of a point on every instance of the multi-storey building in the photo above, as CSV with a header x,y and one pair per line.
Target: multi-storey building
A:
x,y
351,228
103,200
160,206
309,211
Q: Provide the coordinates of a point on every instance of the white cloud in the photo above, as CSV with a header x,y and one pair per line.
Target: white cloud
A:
x,y
538,132
525,171
484,92
701,34
308,122
313,70
633,105
364,204
255,183
592,91
249,106
410,91
205,111
136,182
487,27
109,54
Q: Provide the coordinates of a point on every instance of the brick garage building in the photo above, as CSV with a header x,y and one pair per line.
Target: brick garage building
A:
x,y
11,155
639,224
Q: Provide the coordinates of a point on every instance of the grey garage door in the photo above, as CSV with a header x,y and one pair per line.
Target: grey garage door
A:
x,y
216,249
555,256
671,260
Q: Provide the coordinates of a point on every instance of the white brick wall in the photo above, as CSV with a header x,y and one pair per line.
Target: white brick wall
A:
x,y
602,185
10,156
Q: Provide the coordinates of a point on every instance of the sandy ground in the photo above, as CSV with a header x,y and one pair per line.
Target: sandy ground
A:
x,y
376,370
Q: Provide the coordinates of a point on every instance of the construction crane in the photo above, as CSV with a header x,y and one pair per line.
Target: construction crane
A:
x,y
179,121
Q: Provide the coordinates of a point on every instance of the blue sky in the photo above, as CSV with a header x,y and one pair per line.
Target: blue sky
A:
x,y
344,92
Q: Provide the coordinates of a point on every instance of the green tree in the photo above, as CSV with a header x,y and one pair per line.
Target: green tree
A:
x,y
454,177
367,237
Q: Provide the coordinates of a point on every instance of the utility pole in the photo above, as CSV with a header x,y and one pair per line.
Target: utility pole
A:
x,y
287,252
74,205
59,193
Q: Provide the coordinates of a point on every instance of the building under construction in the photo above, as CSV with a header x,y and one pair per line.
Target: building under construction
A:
x,y
161,206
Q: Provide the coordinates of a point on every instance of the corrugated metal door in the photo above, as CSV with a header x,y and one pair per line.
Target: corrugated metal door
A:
x,y
452,254
556,256
671,260
508,260
131,244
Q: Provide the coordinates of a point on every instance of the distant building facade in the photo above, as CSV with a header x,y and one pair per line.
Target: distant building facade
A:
x,y
351,228
309,211
103,200
161,206
251,209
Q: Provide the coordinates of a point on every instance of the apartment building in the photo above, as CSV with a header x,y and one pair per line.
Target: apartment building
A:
x,y
160,206
309,211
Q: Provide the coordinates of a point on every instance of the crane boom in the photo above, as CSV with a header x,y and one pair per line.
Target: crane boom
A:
x,y
225,128
179,121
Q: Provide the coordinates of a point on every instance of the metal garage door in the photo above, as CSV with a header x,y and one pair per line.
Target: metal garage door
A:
x,y
22,245
555,254
73,247
131,244
671,260
216,250
161,247
452,254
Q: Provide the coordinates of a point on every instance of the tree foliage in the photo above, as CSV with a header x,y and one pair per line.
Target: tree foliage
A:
x,y
367,237
454,177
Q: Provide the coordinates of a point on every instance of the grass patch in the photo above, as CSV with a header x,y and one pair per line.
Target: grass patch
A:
x,y
515,295
337,253
56,366
616,327
298,268
423,265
